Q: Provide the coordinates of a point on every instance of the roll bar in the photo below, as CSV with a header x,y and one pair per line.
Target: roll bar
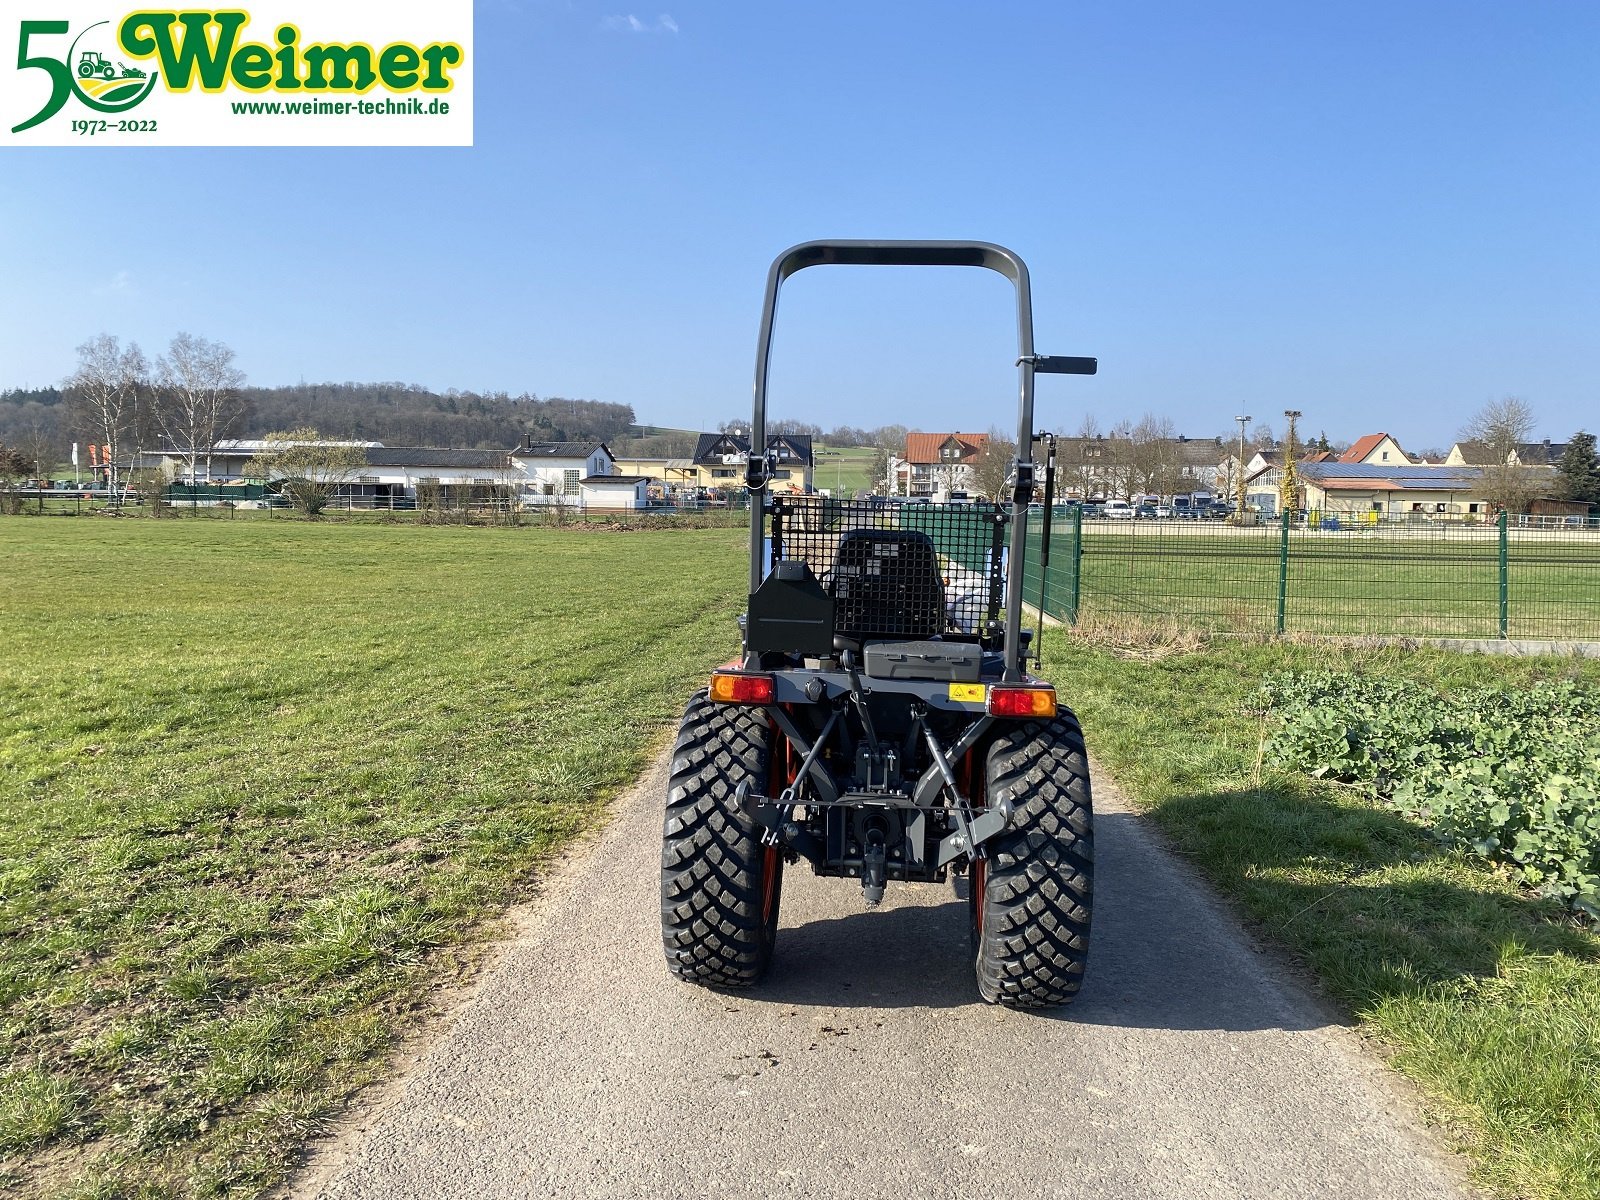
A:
x,y
917,254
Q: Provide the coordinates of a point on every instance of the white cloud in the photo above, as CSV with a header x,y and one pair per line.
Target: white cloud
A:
x,y
120,284
632,24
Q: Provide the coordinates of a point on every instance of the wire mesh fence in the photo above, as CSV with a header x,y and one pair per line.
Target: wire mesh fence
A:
x,y
1412,578
912,570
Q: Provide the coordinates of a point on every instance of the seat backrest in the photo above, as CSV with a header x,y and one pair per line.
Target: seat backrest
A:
x,y
887,583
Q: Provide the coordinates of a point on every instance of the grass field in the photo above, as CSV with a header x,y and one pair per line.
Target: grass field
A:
x,y
844,470
264,783
260,780
1435,581
1488,999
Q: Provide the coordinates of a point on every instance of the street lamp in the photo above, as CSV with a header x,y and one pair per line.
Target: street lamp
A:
x,y
1238,465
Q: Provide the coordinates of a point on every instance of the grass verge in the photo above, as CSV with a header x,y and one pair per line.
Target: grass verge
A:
x,y
262,781
1489,999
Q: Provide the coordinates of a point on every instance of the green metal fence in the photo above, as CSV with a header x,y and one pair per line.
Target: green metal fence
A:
x,y
1413,578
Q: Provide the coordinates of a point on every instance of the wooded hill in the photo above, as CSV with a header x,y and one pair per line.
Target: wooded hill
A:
x,y
395,413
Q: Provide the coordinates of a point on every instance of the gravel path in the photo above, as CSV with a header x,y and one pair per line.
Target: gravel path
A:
x,y
1191,1065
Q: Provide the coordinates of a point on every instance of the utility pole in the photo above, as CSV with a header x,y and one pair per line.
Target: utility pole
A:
x,y
1238,466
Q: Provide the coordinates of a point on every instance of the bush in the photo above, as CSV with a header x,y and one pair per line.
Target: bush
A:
x,y
1512,775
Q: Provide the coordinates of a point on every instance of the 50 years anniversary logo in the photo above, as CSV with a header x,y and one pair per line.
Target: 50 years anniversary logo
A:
x,y
336,73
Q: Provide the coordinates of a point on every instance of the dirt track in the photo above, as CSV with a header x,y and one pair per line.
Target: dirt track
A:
x,y
1191,1066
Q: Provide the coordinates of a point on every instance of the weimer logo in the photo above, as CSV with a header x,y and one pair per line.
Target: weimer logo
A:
x,y
230,77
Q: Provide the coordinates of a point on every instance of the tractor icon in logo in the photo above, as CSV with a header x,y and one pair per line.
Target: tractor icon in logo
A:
x,y
94,63
103,83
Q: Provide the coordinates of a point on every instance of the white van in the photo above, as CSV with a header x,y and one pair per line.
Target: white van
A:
x,y
1119,510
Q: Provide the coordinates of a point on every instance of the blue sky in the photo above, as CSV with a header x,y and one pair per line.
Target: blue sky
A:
x,y
1380,214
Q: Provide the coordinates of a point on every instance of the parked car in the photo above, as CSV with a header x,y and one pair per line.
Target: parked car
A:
x,y
1146,512
1217,511
1163,512
1118,510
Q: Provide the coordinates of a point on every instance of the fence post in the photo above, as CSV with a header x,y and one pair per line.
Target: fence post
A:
x,y
1283,571
1076,592
1505,588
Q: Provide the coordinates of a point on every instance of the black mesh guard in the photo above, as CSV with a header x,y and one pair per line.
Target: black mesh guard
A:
x,y
905,571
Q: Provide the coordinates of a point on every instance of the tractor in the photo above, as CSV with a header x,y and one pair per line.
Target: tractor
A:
x,y
92,62
881,723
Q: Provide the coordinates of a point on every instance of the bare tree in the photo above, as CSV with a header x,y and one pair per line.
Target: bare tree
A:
x,y
1152,457
992,466
312,467
198,396
1502,427
880,471
103,393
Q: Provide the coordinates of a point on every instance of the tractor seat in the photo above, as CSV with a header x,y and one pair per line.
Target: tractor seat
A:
x,y
887,583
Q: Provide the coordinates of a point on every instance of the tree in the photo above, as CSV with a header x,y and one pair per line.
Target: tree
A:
x,y
14,466
312,467
991,468
198,399
880,471
102,395
1502,427
1579,470
1152,458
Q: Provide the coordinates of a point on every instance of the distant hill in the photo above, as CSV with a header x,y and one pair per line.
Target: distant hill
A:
x,y
397,413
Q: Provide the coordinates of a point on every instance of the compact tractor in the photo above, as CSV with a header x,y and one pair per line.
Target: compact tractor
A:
x,y
881,722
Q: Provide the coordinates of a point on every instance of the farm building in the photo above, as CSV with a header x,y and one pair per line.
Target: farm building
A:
x,y
1348,488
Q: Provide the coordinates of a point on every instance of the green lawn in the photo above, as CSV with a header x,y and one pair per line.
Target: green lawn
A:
x,y
261,781
1436,581
1489,999
844,470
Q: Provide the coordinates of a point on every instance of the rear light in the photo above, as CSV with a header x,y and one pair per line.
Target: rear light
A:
x,y
736,687
1022,701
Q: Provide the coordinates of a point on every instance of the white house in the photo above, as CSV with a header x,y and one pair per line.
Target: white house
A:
x,y
550,472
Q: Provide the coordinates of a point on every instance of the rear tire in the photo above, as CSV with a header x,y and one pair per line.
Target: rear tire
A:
x,y
1032,895
720,887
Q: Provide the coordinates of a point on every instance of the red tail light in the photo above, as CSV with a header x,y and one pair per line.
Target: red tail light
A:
x,y
1014,701
736,687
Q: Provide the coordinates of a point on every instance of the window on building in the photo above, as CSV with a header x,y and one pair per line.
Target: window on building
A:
x,y
1416,507
569,482
1472,508
1385,456
724,473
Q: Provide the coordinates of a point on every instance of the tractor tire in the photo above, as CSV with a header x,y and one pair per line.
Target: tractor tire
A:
x,y
1031,896
108,72
85,70
720,887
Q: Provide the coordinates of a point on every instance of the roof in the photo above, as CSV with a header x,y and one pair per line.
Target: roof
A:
x,y
559,449
1365,446
791,447
923,448
1529,454
618,479
1343,476
433,456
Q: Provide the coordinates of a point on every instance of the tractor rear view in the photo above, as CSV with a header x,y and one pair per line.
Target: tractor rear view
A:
x,y
881,723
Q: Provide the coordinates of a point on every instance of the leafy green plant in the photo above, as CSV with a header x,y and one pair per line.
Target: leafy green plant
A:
x,y
1514,775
